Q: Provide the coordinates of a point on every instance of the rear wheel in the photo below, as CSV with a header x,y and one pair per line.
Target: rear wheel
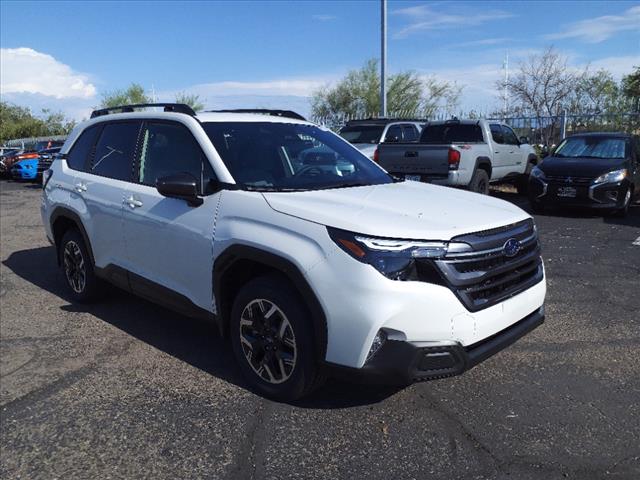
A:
x,y
77,268
480,182
272,339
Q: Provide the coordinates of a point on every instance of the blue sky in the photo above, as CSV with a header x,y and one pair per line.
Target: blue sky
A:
x,y
64,55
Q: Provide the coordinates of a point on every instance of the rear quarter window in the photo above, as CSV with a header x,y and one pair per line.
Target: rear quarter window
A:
x,y
80,152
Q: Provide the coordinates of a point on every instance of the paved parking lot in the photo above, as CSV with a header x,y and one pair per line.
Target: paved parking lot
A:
x,y
125,389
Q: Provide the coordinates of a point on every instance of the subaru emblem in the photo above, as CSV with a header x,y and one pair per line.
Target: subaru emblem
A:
x,y
511,247
569,180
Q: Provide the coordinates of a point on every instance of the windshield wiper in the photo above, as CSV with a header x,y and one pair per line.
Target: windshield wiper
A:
x,y
345,185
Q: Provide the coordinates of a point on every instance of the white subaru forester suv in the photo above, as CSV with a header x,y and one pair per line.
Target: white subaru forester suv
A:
x,y
307,255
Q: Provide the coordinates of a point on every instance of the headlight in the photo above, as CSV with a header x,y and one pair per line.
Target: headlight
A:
x,y
536,172
395,259
612,177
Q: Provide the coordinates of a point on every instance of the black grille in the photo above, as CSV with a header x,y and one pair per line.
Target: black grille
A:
x,y
570,180
486,275
44,164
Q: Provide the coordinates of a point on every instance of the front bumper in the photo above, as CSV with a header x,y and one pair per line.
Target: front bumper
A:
x,y
24,173
402,363
602,195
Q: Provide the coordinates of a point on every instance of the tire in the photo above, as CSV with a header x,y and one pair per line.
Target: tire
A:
x,y
522,185
77,268
480,182
536,207
272,339
622,212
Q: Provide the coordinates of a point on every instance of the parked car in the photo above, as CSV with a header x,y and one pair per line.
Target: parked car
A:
x,y
32,168
310,271
365,135
7,163
596,170
6,151
464,153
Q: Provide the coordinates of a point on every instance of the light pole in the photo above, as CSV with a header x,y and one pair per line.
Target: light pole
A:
x,y
383,59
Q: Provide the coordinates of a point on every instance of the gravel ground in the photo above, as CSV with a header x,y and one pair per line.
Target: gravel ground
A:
x,y
125,389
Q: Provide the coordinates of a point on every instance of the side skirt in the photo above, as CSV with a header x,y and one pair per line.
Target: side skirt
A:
x,y
154,292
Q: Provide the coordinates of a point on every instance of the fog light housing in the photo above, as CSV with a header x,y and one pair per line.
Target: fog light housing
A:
x,y
378,341
612,195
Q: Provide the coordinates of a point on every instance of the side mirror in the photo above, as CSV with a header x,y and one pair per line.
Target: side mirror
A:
x,y
181,185
524,140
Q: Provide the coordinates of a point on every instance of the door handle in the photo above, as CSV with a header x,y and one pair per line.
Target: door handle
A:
x,y
133,202
80,187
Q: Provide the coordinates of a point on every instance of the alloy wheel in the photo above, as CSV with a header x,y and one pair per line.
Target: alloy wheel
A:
x,y
74,266
268,341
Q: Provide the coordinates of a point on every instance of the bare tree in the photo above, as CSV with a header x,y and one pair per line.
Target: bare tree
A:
x,y
543,86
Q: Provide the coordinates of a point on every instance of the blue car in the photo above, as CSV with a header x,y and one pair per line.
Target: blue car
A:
x,y
25,169
32,168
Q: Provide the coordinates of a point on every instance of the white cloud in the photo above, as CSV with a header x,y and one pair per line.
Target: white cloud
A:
x,y
24,70
324,17
424,18
484,42
302,87
599,29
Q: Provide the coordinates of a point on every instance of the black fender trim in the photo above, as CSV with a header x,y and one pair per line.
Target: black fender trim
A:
x,y
237,253
63,212
482,161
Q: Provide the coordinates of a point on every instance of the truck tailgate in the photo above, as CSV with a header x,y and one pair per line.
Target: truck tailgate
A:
x,y
415,159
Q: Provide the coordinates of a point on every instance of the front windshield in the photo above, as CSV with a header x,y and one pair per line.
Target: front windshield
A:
x,y
362,133
591,147
288,156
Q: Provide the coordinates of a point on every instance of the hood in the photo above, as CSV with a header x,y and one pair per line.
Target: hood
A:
x,y
409,210
580,167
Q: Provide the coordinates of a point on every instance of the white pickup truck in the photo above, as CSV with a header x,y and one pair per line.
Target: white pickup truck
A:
x,y
366,134
464,153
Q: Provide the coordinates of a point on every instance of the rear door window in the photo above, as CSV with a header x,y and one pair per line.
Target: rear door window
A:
x,y
394,134
409,133
496,133
80,152
169,148
115,151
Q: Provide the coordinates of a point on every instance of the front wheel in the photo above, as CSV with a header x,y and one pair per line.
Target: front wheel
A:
x,y
480,182
624,210
272,339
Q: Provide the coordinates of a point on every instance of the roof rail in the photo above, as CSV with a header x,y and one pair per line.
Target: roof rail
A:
x,y
264,111
168,107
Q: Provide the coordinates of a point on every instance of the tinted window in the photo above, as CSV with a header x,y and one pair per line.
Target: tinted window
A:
x,y
410,133
451,133
510,137
169,148
496,133
115,150
362,133
394,134
81,149
290,156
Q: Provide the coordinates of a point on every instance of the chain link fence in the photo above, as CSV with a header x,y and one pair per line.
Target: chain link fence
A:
x,y
544,131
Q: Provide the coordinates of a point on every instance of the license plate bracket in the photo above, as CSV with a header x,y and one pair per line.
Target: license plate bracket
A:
x,y
414,178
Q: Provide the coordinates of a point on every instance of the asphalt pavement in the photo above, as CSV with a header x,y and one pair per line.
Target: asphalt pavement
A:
x,y
126,389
